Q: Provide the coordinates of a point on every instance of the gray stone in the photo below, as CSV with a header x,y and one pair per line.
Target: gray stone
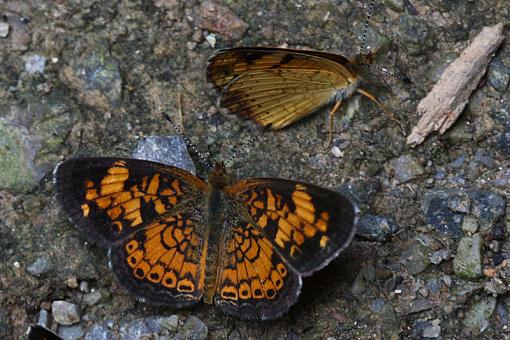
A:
x,y
479,314
467,263
415,258
43,319
457,163
17,152
488,207
99,332
170,150
361,192
71,332
40,266
503,143
440,216
419,305
92,298
4,29
406,168
498,75
34,63
439,256
469,225
459,203
432,331
170,323
376,228
150,326
193,329
65,313
135,329
484,157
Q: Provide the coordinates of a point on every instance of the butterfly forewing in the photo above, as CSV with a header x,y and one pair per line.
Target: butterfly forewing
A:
x,y
110,198
308,225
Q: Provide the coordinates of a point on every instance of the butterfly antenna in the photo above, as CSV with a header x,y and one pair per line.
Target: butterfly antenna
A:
x,y
364,38
247,143
383,70
186,140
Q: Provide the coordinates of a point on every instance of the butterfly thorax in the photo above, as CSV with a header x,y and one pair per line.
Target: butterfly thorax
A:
x,y
219,178
359,61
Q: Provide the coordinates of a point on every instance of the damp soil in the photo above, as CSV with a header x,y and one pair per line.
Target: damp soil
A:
x,y
108,68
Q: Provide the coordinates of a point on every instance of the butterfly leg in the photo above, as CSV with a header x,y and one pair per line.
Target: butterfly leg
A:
x,y
391,115
331,114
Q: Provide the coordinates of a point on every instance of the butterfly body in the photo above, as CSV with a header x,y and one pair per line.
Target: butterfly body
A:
x,y
175,239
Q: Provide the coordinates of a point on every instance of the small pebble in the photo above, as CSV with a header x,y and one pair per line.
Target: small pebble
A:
x,y
41,266
92,298
439,256
84,286
432,331
43,319
470,225
34,64
4,29
71,332
99,332
65,313
211,39
335,150
72,282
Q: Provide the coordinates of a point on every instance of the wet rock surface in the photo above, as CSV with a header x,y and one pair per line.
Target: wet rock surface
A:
x,y
91,79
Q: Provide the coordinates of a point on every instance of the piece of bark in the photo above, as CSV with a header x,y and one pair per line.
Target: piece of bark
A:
x,y
445,102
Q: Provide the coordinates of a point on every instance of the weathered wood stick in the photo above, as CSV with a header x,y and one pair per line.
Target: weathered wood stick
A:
x,y
445,102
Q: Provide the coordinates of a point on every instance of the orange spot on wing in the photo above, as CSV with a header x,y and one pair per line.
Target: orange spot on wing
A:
x,y
271,204
169,280
321,225
91,194
104,202
324,242
185,286
305,214
134,217
85,209
114,212
153,185
107,189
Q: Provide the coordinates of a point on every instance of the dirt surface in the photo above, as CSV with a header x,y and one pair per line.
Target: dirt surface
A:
x,y
86,78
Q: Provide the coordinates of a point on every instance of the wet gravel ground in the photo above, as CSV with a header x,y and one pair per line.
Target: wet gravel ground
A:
x,y
87,78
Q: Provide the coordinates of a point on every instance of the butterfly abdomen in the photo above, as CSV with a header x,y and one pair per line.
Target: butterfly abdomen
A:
x,y
346,92
215,219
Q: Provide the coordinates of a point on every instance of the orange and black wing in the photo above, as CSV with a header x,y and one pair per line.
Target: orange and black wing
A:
x,y
164,264
308,225
148,215
277,86
254,282
110,198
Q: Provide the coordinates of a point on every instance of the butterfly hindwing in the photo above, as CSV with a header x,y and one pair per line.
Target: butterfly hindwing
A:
x,y
308,225
253,280
110,198
277,86
165,262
